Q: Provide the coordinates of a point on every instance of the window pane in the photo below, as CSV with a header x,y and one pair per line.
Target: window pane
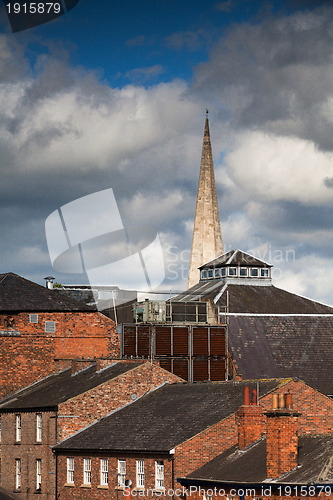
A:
x,y
86,471
70,470
104,471
254,271
140,474
264,272
223,271
210,273
38,474
39,427
159,474
18,428
121,473
203,274
243,271
216,273
232,271
18,474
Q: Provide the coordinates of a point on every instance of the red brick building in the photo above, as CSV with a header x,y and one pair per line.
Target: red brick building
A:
x,y
38,325
37,417
276,462
169,433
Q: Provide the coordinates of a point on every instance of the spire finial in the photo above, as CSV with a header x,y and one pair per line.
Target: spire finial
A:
x,y
206,112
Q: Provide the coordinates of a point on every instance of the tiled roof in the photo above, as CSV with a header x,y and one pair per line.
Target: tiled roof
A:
x,y
235,258
290,346
18,294
62,386
166,417
249,465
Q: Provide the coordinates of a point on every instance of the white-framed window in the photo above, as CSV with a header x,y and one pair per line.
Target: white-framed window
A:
x,y
121,473
216,273
232,271
104,472
210,273
18,428
87,471
38,474
18,474
264,272
70,470
159,475
39,427
50,327
33,318
243,271
223,271
254,272
140,473
204,274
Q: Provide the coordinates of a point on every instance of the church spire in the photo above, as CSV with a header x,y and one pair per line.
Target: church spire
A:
x,y
207,237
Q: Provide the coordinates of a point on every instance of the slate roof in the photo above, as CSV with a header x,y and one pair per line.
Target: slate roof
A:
x,y
235,258
166,417
18,294
55,389
272,332
249,465
290,346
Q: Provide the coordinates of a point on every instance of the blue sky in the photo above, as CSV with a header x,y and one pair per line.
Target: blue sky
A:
x,y
116,98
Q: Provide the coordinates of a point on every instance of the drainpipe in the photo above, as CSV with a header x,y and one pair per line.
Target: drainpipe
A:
x,y
172,453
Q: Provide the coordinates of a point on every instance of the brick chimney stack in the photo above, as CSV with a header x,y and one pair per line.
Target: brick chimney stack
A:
x,y
282,437
249,420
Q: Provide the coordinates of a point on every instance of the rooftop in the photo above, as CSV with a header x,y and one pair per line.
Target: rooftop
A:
x,y
62,386
166,417
249,465
18,294
235,258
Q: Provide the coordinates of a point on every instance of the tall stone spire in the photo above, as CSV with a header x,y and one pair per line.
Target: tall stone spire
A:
x,y
207,238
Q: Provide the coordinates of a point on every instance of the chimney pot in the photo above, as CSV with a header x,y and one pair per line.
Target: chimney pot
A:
x,y
254,400
281,401
289,400
275,402
246,396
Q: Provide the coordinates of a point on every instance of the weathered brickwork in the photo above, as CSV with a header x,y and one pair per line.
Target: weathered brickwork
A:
x,y
249,422
27,352
28,451
96,491
281,442
316,416
92,405
69,417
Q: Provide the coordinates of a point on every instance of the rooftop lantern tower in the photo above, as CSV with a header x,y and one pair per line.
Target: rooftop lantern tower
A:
x,y
207,238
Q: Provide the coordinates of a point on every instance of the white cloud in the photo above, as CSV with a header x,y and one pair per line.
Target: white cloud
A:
x,y
272,168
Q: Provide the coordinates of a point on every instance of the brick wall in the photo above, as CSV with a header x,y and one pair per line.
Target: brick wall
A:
x,y
30,356
92,405
28,451
96,492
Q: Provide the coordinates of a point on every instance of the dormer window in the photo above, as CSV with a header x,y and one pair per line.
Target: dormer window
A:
x,y
232,271
223,272
204,274
243,272
264,272
216,273
254,272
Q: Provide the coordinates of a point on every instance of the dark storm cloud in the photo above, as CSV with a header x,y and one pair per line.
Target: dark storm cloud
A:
x,y
276,76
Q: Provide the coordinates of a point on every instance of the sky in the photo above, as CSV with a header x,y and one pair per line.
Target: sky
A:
x,y
113,94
